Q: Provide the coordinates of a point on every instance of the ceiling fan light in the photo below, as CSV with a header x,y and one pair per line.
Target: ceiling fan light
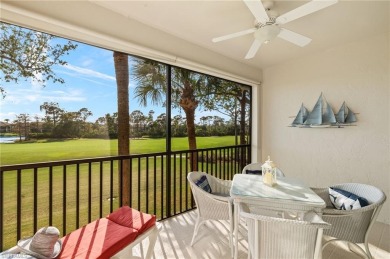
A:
x,y
267,33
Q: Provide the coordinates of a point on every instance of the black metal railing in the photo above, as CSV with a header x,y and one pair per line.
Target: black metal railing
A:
x,y
70,194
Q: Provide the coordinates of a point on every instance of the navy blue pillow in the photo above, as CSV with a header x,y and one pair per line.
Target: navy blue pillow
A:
x,y
344,200
258,172
203,183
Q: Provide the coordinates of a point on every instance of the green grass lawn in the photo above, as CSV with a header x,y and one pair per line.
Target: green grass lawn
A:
x,y
50,150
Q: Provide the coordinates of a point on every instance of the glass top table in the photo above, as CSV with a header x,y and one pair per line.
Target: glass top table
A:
x,y
247,186
289,196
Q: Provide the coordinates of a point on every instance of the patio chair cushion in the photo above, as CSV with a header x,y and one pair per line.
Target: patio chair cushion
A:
x,y
204,184
258,172
131,218
344,200
101,238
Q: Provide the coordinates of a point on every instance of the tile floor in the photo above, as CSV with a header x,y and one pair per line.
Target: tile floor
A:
x,y
212,241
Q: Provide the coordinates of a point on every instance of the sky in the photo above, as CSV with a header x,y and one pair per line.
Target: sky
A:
x,y
89,83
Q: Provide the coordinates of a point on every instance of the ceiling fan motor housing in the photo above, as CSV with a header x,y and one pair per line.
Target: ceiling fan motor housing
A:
x,y
267,33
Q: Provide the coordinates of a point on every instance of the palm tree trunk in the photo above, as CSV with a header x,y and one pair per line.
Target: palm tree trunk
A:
x,y
242,126
122,80
190,116
242,118
189,105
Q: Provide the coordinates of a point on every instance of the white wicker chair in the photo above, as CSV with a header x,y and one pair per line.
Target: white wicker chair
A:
x,y
271,237
352,226
212,206
257,166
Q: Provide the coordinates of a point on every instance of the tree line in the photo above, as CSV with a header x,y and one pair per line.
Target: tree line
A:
x,y
59,123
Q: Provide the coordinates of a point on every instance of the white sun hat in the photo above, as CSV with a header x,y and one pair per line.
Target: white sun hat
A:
x,y
43,245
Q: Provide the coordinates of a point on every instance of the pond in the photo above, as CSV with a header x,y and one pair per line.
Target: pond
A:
x,y
9,139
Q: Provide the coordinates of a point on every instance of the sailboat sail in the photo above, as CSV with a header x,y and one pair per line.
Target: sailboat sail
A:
x,y
301,116
322,113
345,115
315,116
351,117
328,115
342,114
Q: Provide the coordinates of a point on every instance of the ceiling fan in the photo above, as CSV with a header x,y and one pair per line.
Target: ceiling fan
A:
x,y
267,27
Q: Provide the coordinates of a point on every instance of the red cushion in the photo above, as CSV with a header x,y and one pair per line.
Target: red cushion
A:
x,y
99,239
132,218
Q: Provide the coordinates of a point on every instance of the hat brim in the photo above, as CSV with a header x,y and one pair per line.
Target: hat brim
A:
x,y
24,246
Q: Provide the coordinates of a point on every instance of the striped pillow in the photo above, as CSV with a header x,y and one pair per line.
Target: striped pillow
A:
x,y
344,200
203,183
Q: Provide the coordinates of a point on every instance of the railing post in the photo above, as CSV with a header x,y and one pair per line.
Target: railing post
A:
x,y
168,139
89,192
112,186
101,189
19,204
51,196
120,178
77,195
64,193
35,195
1,210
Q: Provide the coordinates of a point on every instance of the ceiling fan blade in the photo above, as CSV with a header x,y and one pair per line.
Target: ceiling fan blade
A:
x,y
254,48
308,8
258,10
234,35
294,37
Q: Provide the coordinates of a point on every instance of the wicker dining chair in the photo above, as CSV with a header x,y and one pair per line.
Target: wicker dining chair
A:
x,y
256,168
217,205
352,226
272,237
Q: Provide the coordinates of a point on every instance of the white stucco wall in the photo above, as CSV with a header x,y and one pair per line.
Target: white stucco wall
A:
x,y
357,73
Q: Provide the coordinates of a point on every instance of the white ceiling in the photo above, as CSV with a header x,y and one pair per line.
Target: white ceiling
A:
x,y
200,21
195,23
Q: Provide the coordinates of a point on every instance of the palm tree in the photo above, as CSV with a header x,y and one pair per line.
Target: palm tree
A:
x,y
187,89
122,80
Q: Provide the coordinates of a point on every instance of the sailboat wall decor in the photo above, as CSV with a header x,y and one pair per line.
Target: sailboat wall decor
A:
x,y
322,116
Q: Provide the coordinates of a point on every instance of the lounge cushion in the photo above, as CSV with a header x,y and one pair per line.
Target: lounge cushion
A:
x,y
258,172
203,183
131,218
101,238
105,237
344,200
